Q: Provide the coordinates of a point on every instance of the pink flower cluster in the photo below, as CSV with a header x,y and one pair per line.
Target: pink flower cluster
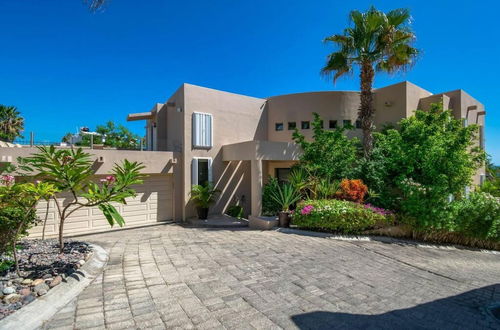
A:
x,y
378,210
109,179
7,180
307,209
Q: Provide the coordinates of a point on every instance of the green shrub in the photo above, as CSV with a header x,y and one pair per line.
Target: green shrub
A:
x,y
269,206
10,219
330,155
235,211
478,216
336,216
431,157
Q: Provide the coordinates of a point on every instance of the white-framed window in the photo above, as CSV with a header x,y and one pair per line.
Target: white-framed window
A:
x,y
202,130
482,178
201,170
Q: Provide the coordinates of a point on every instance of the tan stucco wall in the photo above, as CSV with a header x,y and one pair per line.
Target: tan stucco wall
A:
x,y
392,103
236,118
155,162
300,107
152,204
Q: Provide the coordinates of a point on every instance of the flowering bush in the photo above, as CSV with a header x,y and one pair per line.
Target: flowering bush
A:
x,y
337,216
379,210
7,180
307,209
352,190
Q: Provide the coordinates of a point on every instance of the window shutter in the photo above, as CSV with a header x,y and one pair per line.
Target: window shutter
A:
x,y
194,172
202,130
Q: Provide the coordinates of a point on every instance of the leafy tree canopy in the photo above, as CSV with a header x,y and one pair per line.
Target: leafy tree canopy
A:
x,y
116,136
330,155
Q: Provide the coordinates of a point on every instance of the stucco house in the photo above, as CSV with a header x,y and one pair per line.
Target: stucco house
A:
x,y
236,142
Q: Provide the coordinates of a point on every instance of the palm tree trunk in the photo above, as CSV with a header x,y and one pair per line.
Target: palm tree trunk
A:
x,y
366,109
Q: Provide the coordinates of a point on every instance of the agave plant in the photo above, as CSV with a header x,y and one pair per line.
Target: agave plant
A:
x,y
300,179
285,195
326,189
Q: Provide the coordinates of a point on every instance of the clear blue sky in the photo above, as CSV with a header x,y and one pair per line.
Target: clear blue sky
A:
x,y
64,67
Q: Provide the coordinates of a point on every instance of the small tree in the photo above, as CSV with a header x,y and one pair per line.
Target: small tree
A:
x,y
331,155
70,171
18,203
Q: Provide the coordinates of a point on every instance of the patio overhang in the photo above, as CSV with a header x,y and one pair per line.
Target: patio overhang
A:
x,y
256,152
261,150
151,114
140,116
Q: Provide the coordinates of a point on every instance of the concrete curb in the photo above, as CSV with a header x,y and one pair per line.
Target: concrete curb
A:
x,y
34,315
382,239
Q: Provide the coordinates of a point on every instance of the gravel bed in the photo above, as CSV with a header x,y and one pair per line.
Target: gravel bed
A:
x,y
42,267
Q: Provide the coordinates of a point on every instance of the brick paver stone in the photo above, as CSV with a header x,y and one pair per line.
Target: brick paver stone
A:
x,y
167,277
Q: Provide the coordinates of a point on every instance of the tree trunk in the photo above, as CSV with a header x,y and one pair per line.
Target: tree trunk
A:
x,y
46,217
61,229
14,251
366,109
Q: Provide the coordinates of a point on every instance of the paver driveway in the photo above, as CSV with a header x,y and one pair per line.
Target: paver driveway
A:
x,y
170,276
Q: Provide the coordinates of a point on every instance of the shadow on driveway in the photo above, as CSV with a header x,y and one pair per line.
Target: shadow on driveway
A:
x,y
469,310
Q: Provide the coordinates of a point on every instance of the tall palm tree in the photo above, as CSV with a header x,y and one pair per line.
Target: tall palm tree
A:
x,y
11,123
376,41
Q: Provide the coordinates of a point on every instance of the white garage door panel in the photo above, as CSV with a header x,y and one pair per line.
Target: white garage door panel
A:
x,y
153,203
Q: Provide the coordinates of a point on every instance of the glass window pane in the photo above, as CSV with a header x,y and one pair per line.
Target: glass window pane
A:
x,y
292,125
305,125
282,174
332,124
279,126
202,171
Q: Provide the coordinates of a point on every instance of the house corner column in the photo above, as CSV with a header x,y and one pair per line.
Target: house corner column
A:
x,y
256,187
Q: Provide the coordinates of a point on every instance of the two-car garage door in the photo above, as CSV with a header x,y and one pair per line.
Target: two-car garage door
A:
x,y
153,203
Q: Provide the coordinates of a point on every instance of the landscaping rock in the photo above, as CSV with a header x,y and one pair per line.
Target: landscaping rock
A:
x,y
56,281
37,282
24,291
81,262
12,298
8,290
41,287
42,267
27,281
27,299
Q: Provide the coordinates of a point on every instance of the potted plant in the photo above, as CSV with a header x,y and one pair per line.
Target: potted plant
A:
x,y
285,195
203,196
